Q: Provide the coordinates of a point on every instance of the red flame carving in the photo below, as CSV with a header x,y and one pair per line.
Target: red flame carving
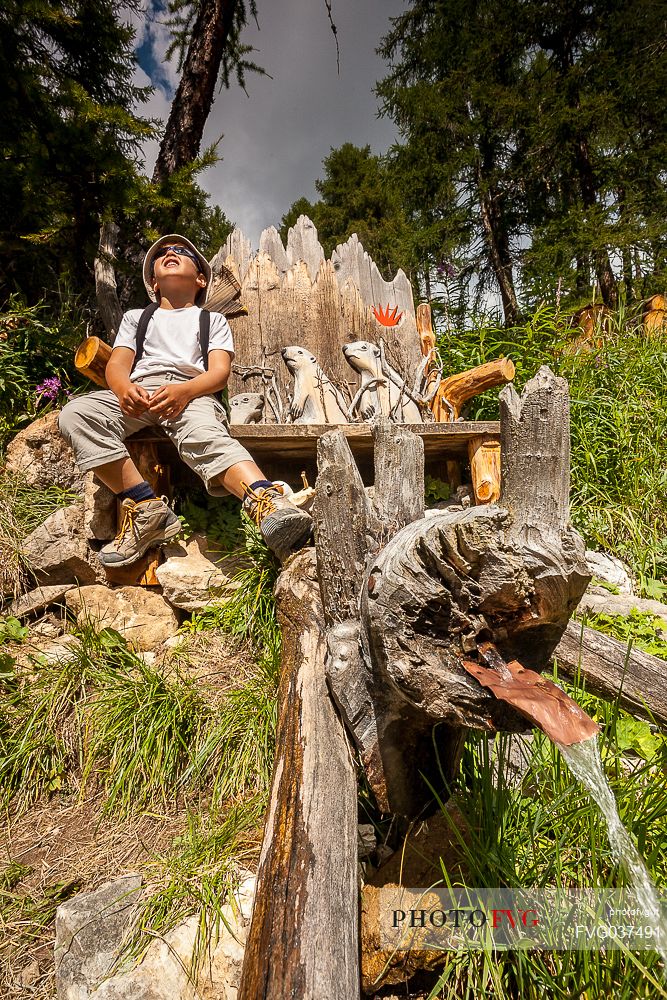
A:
x,y
387,316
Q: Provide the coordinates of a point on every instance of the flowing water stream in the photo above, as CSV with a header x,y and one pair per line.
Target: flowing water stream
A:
x,y
584,761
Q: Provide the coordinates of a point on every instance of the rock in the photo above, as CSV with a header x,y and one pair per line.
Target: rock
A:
x,y
221,975
47,650
99,510
611,570
517,758
164,973
604,603
142,616
40,455
37,599
190,576
57,550
366,839
90,928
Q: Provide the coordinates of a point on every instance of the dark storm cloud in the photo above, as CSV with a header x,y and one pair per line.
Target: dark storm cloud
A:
x,y
276,137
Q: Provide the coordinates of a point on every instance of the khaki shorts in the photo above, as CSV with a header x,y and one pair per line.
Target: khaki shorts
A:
x,y
96,428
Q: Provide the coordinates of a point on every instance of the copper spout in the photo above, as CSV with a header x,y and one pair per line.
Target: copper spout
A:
x,y
535,697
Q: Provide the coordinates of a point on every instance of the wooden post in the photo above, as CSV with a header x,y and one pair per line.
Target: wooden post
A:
x,y
535,448
303,941
484,455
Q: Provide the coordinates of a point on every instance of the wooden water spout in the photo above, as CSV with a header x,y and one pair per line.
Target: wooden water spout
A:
x,y
423,624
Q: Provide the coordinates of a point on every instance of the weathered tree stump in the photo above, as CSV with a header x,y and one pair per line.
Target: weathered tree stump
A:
x,y
415,606
433,589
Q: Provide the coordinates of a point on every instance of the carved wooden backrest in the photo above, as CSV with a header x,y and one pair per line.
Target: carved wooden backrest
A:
x,y
297,298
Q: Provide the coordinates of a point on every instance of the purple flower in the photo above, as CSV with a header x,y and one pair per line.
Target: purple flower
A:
x,y
48,389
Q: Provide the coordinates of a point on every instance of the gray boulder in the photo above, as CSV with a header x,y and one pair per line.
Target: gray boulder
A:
x,y
611,570
142,616
164,973
90,929
37,599
40,455
190,577
99,510
57,550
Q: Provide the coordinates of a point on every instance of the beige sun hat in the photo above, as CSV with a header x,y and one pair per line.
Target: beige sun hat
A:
x,y
164,241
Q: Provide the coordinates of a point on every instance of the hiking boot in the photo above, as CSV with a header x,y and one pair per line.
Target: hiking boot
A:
x,y
142,526
284,527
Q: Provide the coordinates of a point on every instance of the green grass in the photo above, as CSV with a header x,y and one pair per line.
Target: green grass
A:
x,y
142,726
22,508
544,831
198,875
618,397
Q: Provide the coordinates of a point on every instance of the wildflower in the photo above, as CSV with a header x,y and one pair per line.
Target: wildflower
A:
x,y
48,389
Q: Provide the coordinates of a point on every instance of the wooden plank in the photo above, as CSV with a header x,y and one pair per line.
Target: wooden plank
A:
x,y
300,440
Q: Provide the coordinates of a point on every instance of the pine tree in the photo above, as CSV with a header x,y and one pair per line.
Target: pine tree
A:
x,y
69,136
357,195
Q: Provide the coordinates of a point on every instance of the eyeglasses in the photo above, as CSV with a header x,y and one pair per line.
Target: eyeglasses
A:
x,y
181,251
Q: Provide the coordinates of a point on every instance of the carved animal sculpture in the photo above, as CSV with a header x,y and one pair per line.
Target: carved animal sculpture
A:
x,y
247,408
383,391
315,400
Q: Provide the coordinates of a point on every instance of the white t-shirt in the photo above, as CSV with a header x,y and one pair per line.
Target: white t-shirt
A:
x,y
172,340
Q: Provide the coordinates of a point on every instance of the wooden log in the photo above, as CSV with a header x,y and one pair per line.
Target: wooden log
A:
x,y
484,455
638,680
105,280
425,329
91,360
535,447
303,939
592,323
458,389
655,316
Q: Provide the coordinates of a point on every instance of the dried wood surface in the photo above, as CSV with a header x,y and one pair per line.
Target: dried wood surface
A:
x,y
436,587
303,939
294,296
637,679
458,389
535,450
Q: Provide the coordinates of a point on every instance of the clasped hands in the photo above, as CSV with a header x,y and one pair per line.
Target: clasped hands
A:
x,y
166,403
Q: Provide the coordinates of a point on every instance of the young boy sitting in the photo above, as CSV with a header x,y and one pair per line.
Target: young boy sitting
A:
x,y
167,382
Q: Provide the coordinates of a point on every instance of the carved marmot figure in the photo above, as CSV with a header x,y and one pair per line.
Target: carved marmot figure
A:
x,y
315,399
246,408
383,391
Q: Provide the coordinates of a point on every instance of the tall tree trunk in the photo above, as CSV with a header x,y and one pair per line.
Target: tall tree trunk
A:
x,y
194,97
105,280
603,272
495,234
